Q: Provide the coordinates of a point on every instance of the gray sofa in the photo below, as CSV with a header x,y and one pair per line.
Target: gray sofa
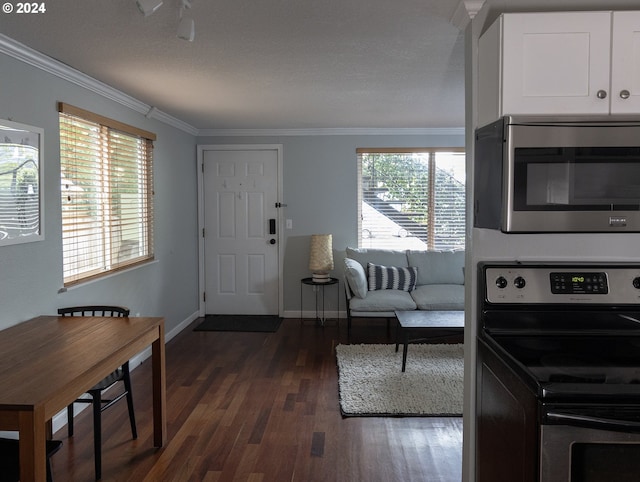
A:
x,y
380,281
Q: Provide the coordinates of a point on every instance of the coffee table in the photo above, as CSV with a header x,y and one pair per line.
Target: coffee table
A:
x,y
426,325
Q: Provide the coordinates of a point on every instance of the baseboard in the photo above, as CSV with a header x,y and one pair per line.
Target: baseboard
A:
x,y
60,419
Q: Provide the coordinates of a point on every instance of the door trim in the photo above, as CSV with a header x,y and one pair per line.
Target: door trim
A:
x,y
199,167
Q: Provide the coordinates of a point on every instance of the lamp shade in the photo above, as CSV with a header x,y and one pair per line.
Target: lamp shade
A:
x,y
321,256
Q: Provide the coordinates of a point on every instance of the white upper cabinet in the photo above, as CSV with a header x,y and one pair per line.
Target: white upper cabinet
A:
x,y
560,63
625,63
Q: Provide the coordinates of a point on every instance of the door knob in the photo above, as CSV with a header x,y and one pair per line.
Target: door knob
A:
x,y
601,94
272,241
624,94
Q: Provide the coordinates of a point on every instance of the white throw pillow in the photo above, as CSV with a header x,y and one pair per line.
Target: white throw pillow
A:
x,y
356,277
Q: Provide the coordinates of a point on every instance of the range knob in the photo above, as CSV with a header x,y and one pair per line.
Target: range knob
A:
x,y
501,282
519,282
636,282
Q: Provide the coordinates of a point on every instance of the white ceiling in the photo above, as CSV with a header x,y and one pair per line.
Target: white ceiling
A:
x,y
272,64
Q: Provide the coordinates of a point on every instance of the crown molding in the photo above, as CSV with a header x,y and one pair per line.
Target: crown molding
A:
x,y
428,131
25,54
465,12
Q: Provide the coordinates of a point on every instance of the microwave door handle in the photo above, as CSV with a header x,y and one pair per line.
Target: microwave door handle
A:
x,y
588,421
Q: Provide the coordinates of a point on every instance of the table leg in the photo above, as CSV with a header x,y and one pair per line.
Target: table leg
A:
x,y
159,390
404,350
323,317
33,455
338,298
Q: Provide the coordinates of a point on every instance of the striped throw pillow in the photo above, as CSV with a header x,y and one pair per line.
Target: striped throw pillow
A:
x,y
391,277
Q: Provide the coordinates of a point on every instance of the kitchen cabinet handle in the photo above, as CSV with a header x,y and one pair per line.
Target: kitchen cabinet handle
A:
x,y
624,94
601,94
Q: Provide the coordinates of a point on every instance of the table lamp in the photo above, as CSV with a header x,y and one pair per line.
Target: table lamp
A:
x,y
321,257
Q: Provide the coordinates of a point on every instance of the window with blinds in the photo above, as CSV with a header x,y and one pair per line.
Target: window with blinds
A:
x,y
411,199
20,193
107,194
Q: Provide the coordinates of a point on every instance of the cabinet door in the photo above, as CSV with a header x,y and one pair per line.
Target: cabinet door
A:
x,y
625,63
506,423
556,63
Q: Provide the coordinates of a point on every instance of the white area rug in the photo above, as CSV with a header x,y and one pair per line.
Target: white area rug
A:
x,y
371,380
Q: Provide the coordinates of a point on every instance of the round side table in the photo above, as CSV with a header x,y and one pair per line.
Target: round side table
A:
x,y
310,282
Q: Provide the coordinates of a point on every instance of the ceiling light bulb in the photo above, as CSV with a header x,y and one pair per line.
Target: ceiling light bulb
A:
x,y
147,7
187,29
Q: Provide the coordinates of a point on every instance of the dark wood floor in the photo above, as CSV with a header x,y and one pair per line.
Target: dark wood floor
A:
x,y
262,407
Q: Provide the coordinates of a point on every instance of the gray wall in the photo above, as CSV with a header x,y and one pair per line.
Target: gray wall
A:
x,y
319,189
31,274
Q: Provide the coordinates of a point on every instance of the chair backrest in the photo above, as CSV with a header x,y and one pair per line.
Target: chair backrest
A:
x,y
94,310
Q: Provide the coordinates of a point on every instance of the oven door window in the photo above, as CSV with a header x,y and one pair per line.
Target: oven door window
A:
x,y
576,179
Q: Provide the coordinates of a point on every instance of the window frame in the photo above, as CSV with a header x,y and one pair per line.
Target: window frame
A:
x,y
431,191
101,164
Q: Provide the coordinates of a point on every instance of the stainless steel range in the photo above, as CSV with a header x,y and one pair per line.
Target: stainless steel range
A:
x,y
558,372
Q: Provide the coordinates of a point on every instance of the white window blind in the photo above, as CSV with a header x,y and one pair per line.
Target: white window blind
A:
x,y
106,186
411,199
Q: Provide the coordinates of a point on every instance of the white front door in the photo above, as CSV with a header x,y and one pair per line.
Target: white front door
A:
x,y
241,230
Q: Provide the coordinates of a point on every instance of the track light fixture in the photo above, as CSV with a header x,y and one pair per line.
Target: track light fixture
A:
x,y
186,26
187,29
147,7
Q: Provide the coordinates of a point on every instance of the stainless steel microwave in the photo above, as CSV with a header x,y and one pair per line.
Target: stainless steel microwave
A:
x,y
555,174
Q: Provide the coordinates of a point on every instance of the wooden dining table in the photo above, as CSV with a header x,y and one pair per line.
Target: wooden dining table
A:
x,y
48,361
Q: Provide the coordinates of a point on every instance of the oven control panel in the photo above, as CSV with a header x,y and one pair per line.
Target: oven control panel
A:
x,y
546,283
571,283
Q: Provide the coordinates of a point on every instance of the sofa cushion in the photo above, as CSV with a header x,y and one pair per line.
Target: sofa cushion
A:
x,y
391,277
438,267
383,300
356,277
386,257
442,297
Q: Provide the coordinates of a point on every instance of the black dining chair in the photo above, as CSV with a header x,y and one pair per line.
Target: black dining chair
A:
x,y
10,458
99,404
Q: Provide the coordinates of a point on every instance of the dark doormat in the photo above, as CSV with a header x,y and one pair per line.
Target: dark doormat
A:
x,y
257,323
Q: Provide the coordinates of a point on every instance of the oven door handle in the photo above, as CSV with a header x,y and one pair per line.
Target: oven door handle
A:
x,y
588,421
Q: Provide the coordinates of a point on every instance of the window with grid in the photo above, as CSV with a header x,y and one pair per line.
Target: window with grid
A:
x,y
411,199
107,194
20,195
